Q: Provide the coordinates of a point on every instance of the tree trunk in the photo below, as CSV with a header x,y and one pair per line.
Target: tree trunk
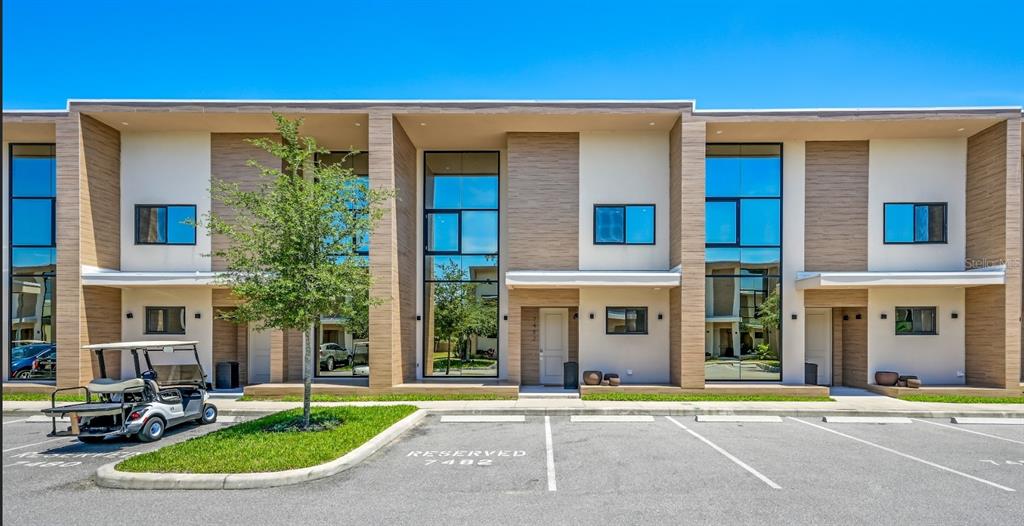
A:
x,y
307,377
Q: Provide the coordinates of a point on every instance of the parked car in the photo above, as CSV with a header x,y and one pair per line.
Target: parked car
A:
x,y
44,366
23,356
332,355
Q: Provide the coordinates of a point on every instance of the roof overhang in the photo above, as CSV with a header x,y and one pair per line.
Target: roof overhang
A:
x,y
863,280
113,278
551,279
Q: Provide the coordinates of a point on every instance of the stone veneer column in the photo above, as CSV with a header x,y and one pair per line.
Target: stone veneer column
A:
x,y
686,216
383,257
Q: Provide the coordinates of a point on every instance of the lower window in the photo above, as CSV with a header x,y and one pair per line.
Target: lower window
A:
x,y
165,320
626,320
343,342
915,321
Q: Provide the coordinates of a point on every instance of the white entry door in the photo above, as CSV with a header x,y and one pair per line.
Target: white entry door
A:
x,y
818,343
259,356
554,344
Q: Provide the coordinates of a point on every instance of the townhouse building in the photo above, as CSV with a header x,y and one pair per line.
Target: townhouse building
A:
x,y
681,249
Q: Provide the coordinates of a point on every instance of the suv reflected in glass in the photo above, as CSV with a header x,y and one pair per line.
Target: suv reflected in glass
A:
x,y
23,357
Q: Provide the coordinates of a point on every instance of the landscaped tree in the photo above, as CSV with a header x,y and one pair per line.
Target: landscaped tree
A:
x,y
768,314
459,312
292,245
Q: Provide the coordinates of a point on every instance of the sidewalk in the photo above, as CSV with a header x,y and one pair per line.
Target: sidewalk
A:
x,y
852,402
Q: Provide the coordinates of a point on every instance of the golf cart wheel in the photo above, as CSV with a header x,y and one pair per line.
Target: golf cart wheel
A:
x,y
23,375
330,363
91,439
152,430
209,414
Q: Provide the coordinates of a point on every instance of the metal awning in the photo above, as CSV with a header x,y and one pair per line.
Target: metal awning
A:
x,y
543,279
863,280
116,278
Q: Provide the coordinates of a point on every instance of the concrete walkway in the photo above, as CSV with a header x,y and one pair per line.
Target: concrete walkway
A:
x,y
848,401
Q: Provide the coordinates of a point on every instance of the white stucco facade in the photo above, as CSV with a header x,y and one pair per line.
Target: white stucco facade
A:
x,y
624,168
936,359
194,299
922,171
793,185
644,355
170,168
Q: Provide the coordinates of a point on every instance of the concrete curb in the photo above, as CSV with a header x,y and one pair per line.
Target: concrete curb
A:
x,y
108,477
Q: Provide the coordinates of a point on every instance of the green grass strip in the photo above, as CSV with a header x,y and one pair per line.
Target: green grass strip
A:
x,y
711,397
252,447
41,397
379,398
963,399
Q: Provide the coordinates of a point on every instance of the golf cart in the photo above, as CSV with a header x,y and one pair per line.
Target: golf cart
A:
x,y
160,396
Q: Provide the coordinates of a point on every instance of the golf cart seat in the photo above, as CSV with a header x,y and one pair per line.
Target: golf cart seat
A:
x,y
112,386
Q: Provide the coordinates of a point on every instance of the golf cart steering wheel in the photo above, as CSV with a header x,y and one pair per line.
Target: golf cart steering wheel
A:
x,y
149,375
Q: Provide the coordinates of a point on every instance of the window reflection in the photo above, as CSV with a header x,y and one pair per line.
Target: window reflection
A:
x,y
461,264
743,262
33,258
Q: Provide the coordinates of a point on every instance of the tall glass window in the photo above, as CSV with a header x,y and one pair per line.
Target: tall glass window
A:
x,y
33,250
343,337
743,222
460,264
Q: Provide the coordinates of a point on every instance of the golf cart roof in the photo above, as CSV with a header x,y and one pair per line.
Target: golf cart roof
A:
x,y
154,344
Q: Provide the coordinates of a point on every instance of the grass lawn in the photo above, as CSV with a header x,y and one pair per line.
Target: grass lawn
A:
x,y
270,444
963,399
378,398
711,397
42,397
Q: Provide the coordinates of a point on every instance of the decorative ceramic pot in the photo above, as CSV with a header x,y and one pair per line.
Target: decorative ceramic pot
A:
x,y
614,380
914,383
886,377
592,377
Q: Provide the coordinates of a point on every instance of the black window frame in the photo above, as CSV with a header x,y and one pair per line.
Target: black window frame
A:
x,y
148,308
647,320
913,227
624,206
11,246
426,281
139,207
354,154
896,321
767,278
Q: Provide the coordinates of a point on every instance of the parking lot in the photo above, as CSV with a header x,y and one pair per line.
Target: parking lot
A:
x,y
564,469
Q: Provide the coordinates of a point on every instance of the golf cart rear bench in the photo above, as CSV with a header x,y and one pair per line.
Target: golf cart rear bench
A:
x,y
145,406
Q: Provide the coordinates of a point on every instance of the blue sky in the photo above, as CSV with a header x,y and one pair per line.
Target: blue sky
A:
x,y
724,55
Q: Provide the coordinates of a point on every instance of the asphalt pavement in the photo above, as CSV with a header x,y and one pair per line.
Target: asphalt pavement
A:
x,y
552,469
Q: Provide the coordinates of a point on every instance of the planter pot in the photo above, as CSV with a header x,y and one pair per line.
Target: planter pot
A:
x,y
914,383
614,381
886,378
591,377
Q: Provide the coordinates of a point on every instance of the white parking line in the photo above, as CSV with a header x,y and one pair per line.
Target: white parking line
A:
x,y
476,419
726,454
988,421
866,419
905,455
15,421
35,444
973,432
738,418
550,453
610,418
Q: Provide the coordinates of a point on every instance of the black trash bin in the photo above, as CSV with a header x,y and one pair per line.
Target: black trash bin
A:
x,y
227,375
811,373
571,375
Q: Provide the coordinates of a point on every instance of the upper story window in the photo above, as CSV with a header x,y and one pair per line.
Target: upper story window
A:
x,y
915,321
165,224
623,224
165,320
359,163
626,320
909,223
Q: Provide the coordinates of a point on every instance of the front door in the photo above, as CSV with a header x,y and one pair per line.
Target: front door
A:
x,y
259,356
818,343
554,344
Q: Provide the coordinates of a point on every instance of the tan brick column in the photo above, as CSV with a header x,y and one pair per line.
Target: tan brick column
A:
x,y
277,356
72,365
686,250
384,338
